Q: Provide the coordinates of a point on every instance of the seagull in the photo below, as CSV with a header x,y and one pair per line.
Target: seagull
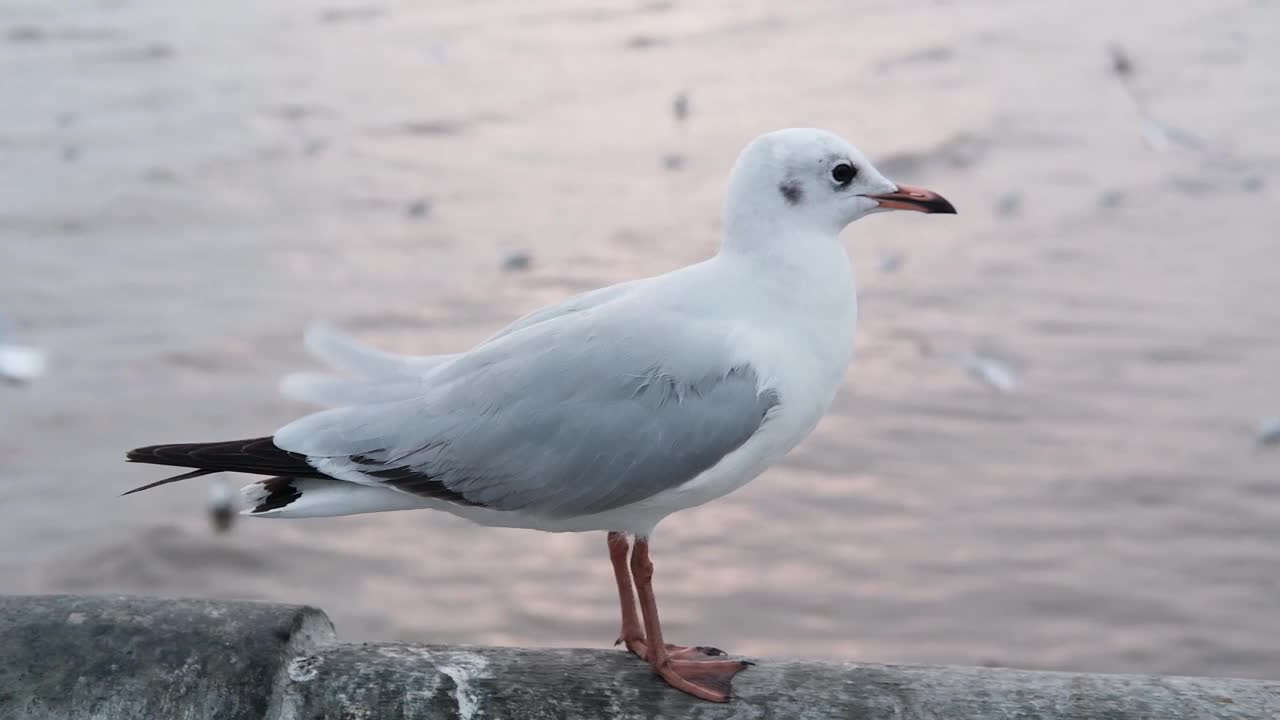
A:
x,y
610,410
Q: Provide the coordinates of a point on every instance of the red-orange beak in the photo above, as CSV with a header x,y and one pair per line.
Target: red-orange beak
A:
x,y
914,198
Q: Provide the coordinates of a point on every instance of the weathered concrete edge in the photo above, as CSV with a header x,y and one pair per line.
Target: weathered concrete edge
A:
x,y
119,656
122,658
426,682
313,631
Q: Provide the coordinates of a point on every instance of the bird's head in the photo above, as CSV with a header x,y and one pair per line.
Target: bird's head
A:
x,y
814,179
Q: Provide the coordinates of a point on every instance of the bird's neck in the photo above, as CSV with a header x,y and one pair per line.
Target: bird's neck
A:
x,y
795,259
798,258
805,276
802,293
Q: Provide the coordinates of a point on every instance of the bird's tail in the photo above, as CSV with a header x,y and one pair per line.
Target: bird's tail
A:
x,y
369,375
294,490
343,352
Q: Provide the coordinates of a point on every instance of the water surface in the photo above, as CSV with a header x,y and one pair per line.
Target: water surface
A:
x,y
185,187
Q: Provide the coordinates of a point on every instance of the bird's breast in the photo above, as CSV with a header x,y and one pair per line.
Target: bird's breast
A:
x,y
802,360
802,355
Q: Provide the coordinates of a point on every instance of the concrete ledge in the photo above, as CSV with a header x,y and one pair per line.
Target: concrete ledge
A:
x,y
408,681
120,658
127,658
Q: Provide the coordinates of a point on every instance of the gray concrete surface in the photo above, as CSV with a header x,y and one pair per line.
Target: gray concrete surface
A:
x,y
131,658
127,658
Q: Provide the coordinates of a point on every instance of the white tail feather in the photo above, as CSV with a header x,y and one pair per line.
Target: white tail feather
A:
x,y
377,376
343,352
334,391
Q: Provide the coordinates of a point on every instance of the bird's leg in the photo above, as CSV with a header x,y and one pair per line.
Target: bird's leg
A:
x,y
632,631
702,677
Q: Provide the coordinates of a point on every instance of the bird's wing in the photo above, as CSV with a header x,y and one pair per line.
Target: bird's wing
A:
x,y
340,391
576,304
374,376
575,416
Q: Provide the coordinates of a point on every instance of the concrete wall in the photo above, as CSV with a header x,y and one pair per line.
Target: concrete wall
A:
x,y
134,658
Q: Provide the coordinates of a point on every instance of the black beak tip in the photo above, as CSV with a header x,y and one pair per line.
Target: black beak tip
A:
x,y
908,197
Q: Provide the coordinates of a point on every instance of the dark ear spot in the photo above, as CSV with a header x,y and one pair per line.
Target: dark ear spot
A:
x,y
791,192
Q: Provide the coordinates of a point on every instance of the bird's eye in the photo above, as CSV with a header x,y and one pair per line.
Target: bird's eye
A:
x,y
844,173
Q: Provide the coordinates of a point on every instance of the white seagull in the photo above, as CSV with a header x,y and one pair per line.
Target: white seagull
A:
x,y
612,409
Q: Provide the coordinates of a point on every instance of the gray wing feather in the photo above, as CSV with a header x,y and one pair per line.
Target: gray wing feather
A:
x,y
577,303
382,377
559,420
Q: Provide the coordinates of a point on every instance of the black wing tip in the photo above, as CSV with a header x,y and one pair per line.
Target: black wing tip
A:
x,y
155,454
280,493
413,481
256,456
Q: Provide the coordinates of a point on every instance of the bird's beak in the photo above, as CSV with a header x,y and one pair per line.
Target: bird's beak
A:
x,y
914,198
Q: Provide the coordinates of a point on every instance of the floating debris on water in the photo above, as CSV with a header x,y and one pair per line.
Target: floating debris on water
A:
x,y
517,261
644,42
26,34
1009,203
932,54
1112,198
1121,63
434,127
987,370
673,162
418,208
1269,431
1158,135
961,151
350,14
892,262
990,371
680,107
157,51
315,147
160,176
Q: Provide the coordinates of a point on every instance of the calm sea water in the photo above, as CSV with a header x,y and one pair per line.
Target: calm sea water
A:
x,y
184,188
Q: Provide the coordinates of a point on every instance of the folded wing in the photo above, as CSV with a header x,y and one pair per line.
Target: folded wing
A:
x,y
558,420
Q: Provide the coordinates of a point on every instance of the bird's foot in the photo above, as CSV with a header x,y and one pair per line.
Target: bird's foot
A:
x,y
640,648
703,678
698,670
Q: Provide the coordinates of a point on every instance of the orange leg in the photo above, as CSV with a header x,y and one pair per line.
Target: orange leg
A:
x,y
632,631
687,669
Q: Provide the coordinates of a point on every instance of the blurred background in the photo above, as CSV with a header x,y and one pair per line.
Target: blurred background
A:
x,y
1053,448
